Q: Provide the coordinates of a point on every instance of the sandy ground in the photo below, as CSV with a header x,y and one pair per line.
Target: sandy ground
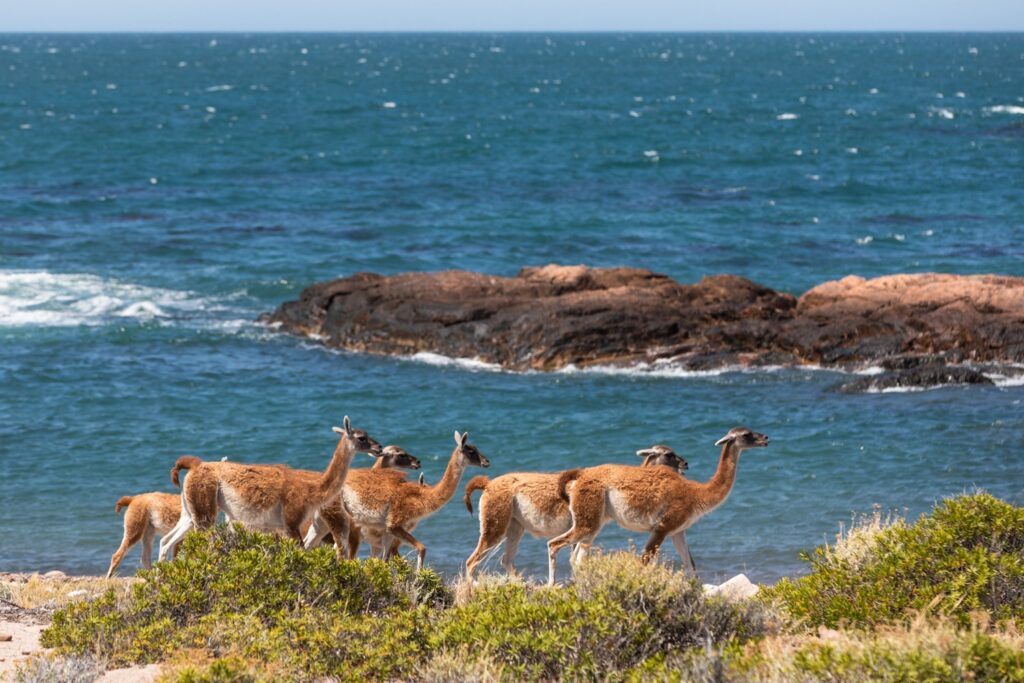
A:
x,y
24,624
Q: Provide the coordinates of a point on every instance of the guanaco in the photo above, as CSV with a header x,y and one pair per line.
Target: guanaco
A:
x,y
261,497
650,499
521,502
386,502
147,514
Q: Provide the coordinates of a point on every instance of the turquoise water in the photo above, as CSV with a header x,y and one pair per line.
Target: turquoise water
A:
x,y
159,192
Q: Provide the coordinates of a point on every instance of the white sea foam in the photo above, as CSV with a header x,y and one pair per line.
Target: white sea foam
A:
x,y
901,390
38,298
944,113
220,88
1005,109
438,360
787,116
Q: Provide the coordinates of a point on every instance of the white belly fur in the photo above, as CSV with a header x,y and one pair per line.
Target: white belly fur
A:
x,y
270,519
628,517
536,524
362,514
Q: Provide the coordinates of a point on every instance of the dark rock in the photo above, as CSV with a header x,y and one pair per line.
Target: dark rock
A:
x,y
921,376
550,317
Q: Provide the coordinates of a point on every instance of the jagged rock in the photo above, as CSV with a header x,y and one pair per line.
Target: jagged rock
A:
x,y
549,317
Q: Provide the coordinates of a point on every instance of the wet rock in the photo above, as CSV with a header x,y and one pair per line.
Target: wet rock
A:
x,y
549,317
917,377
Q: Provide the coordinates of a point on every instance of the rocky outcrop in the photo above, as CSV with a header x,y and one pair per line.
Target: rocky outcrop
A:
x,y
550,317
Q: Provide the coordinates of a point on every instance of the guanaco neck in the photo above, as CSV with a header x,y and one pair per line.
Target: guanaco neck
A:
x,y
719,486
379,464
333,477
441,492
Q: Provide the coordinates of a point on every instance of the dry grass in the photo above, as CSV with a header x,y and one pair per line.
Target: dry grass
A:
x,y
855,544
463,589
38,592
49,668
867,655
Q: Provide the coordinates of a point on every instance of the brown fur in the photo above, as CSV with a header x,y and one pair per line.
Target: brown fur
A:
x,y
478,482
533,502
335,518
148,514
387,502
651,499
185,462
264,497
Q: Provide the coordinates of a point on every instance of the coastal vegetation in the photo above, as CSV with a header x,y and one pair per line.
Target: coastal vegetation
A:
x,y
938,599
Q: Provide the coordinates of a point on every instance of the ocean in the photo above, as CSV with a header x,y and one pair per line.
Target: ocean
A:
x,y
158,192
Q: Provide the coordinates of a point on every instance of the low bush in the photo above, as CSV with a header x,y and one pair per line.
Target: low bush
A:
x,y
242,607
965,558
242,597
233,590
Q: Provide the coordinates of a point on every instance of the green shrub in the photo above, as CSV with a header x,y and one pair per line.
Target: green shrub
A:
x,y
967,556
239,591
618,613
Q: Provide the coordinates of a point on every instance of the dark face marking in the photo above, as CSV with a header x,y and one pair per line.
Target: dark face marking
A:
x,y
473,455
398,457
365,443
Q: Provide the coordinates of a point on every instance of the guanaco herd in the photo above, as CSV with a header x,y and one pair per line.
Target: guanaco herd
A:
x,y
380,504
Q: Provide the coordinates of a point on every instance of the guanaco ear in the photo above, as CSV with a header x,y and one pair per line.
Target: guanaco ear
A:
x,y
645,453
348,425
725,439
337,430
458,437
647,460
465,439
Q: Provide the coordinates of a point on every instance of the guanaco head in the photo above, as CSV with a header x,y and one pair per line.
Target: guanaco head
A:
x,y
741,438
660,454
470,454
360,440
396,456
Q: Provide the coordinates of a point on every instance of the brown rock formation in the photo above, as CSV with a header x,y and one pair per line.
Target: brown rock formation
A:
x,y
547,318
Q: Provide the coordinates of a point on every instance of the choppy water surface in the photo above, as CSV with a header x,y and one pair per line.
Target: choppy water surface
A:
x,y
158,192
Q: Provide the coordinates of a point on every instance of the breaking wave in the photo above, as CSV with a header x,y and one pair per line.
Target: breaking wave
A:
x,y
39,298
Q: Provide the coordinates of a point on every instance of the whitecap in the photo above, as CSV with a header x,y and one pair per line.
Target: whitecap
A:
x,y
43,299
220,88
942,112
438,360
389,105
787,116
1005,109
866,239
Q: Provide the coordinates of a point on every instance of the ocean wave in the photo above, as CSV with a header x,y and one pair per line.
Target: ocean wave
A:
x,y
39,298
1005,109
438,360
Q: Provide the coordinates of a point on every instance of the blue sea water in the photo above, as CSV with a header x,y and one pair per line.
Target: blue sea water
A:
x,y
158,192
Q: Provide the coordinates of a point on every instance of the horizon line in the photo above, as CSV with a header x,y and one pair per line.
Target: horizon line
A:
x,y
504,31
